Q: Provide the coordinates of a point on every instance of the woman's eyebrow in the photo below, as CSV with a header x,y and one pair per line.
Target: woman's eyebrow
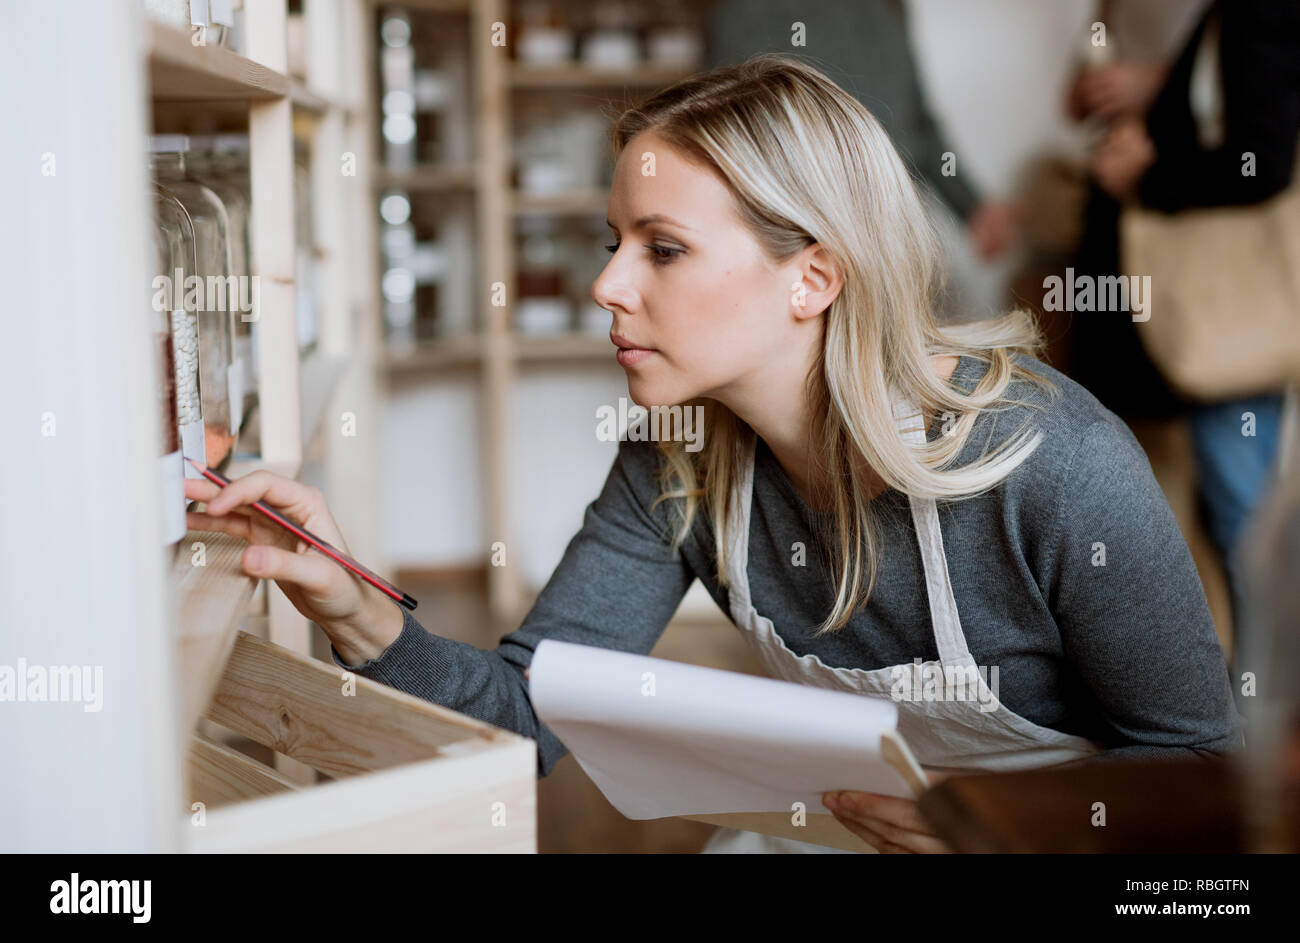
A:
x,y
654,218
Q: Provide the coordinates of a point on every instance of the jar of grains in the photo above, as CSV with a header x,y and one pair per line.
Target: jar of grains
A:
x,y
207,293
177,231
171,464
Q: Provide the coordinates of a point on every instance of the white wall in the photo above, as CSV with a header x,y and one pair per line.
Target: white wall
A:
x,y
995,73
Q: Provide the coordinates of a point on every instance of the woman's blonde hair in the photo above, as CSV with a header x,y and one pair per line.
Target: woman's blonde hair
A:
x,y
807,163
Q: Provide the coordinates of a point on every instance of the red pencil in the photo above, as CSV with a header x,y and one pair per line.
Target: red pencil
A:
x,y
338,556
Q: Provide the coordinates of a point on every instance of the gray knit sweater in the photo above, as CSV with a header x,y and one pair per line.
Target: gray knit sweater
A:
x,y
1123,653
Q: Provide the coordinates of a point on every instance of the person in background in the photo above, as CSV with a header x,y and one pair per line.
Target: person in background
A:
x,y
1140,40
1234,89
863,45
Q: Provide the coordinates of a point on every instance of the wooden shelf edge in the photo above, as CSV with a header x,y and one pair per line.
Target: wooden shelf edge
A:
x,y
428,178
179,70
575,203
575,346
211,600
447,352
314,102
452,352
576,75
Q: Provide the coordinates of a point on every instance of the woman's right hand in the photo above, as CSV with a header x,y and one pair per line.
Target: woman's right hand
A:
x,y
360,620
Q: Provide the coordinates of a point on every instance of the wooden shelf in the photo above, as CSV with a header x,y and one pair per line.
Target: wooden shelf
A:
x,y
211,601
575,203
443,353
468,351
580,76
428,178
542,349
302,97
179,70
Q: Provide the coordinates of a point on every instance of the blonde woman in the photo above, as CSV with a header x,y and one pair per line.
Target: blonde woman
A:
x,y
873,492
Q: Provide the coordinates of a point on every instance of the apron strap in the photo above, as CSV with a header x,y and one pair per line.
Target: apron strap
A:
x,y
948,636
949,639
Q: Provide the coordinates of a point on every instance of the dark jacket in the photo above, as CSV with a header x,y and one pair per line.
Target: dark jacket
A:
x,y
1259,58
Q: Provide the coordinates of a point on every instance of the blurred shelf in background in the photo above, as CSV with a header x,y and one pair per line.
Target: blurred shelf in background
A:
x,y
645,77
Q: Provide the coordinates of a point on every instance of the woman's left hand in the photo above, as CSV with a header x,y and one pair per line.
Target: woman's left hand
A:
x,y
891,825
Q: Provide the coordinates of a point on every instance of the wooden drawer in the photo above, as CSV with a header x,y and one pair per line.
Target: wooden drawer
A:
x,y
409,775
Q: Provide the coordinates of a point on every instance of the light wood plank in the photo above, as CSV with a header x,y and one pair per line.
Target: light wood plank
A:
x,y
491,68
429,178
296,706
219,775
180,70
576,75
575,203
448,805
211,602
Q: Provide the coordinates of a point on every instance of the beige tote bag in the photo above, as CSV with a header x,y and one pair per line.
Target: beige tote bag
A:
x,y
1224,309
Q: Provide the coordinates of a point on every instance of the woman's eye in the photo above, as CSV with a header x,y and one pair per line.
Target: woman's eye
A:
x,y
660,255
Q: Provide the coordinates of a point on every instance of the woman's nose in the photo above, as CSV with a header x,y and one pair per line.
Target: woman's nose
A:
x,y
610,291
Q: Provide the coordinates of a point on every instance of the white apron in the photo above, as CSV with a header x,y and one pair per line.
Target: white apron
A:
x,y
945,735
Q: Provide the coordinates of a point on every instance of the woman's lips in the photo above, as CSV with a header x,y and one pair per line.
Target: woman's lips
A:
x,y
628,353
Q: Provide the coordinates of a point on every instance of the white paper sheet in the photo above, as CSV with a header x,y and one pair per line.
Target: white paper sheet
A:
x,y
662,738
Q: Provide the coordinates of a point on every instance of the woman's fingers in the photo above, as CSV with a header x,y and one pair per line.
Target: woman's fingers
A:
x,y
866,834
200,489
902,813
235,523
312,572
277,491
897,822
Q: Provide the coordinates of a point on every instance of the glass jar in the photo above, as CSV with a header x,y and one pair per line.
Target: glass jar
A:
x,y
174,226
207,295
397,82
542,304
220,162
543,34
171,463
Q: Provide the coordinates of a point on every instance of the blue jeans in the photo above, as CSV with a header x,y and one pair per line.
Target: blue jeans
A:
x,y
1235,471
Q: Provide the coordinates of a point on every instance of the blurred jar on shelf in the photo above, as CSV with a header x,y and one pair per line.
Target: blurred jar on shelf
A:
x,y
207,294
675,38
612,40
220,162
397,284
397,88
559,148
542,305
543,34
171,463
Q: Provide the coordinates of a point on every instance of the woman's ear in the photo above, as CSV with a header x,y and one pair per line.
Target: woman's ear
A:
x,y
818,282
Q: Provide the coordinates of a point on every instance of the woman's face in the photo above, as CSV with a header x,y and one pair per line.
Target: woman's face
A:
x,y
700,308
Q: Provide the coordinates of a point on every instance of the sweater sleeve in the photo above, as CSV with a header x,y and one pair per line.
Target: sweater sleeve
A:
x,y
617,585
1132,613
